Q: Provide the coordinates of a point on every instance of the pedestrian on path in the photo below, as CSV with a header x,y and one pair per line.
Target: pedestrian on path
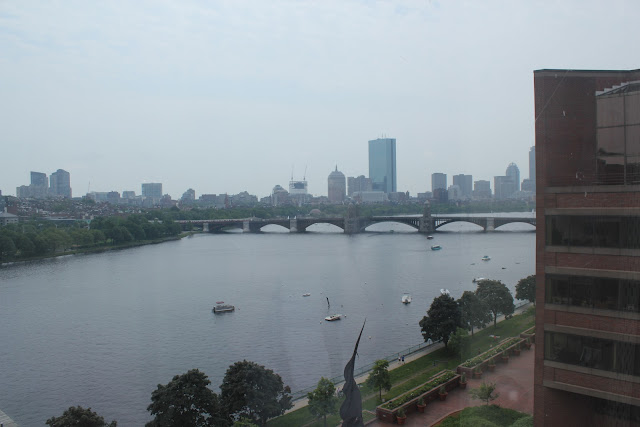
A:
x,y
403,359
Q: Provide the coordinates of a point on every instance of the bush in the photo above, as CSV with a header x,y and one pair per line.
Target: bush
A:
x,y
523,422
446,376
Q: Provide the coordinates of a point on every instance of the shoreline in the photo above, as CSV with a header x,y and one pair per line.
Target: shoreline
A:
x,y
100,249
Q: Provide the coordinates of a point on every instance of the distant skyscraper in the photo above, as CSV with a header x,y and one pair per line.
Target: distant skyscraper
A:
x,y
504,187
482,189
465,182
60,184
514,173
337,187
39,179
382,164
152,190
358,185
438,180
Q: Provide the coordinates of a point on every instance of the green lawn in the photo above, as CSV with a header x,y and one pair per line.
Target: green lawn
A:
x,y
488,416
412,374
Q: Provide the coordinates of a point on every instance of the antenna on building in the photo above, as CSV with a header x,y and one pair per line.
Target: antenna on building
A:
x,y
292,172
304,177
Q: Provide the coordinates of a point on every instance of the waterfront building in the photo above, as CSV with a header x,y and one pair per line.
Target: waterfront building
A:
x,y
39,179
454,192
382,164
440,195
438,181
504,187
280,196
358,184
587,361
128,194
188,197
37,189
482,189
60,184
337,190
243,199
7,218
465,182
370,197
298,193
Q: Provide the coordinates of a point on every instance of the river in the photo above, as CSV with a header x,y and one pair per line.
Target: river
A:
x,y
102,330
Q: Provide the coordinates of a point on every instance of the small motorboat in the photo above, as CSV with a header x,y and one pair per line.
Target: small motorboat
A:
x,y
429,237
306,295
486,258
436,247
445,292
406,299
223,308
333,317
478,279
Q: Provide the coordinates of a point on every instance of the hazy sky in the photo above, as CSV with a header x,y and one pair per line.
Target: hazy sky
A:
x,y
226,96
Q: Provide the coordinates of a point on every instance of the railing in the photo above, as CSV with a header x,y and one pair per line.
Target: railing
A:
x,y
339,380
593,179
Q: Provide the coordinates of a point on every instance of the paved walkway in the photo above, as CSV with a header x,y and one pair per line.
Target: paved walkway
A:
x,y
6,421
514,382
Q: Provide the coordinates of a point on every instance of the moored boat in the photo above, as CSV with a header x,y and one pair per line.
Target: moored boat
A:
x,y
333,317
223,308
436,247
306,295
429,237
406,299
486,258
478,279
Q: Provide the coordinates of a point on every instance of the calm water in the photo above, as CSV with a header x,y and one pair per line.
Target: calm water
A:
x,y
103,330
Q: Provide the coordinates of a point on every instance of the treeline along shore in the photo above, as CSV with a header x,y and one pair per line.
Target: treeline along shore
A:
x,y
37,238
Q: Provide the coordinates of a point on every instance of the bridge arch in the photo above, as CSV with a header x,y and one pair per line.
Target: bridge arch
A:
x,y
482,223
411,223
529,221
304,223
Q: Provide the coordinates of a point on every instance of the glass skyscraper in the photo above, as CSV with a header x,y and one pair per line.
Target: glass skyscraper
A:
x,y
382,164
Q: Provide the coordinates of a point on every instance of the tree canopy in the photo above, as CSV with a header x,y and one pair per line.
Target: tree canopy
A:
x,y
526,289
322,400
473,311
379,376
185,401
251,390
442,319
77,416
486,392
497,297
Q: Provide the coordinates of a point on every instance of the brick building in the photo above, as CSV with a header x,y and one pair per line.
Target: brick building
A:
x,y
587,369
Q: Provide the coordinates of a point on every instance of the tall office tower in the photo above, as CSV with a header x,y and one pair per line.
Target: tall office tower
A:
x,y
587,360
337,187
503,187
382,164
152,190
532,164
514,173
465,182
39,179
438,180
60,184
358,185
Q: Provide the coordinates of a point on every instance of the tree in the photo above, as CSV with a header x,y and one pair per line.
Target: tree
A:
x,y
496,297
485,392
379,377
7,248
526,289
77,416
322,400
251,390
474,313
459,342
185,401
442,319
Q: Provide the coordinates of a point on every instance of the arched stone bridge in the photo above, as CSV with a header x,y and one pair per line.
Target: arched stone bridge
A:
x,y
424,224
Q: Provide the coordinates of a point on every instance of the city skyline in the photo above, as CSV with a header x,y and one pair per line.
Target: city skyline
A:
x,y
138,88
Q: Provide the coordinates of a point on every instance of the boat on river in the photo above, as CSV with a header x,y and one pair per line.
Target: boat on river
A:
x,y
406,299
333,317
223,308
429,237
478,279
436,247
486,258
306,295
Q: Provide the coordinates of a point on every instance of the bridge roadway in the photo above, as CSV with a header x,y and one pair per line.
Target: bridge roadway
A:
x,y
424,224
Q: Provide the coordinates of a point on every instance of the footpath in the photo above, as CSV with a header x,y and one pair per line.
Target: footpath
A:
x,y
302,402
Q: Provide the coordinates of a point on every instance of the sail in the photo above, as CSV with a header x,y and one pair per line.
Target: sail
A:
x,y
351,409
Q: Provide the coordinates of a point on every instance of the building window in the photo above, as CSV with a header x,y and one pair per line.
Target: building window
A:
x,y
593,292
593,231
595,353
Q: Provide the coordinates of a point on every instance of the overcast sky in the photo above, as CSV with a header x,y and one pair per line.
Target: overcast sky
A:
x,y
226,96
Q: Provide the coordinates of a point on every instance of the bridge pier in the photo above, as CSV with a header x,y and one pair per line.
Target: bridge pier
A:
x,y
490,225
249,227
293,226
426,226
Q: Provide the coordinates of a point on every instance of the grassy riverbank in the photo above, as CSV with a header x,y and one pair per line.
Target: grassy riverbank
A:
x,y
412,374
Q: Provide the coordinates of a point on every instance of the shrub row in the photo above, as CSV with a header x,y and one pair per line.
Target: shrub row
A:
x,y
471,363
436,382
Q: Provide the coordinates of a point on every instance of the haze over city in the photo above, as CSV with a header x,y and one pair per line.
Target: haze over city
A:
x,y
231,96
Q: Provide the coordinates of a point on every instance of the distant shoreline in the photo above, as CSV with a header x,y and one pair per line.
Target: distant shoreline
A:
x,y
100,249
